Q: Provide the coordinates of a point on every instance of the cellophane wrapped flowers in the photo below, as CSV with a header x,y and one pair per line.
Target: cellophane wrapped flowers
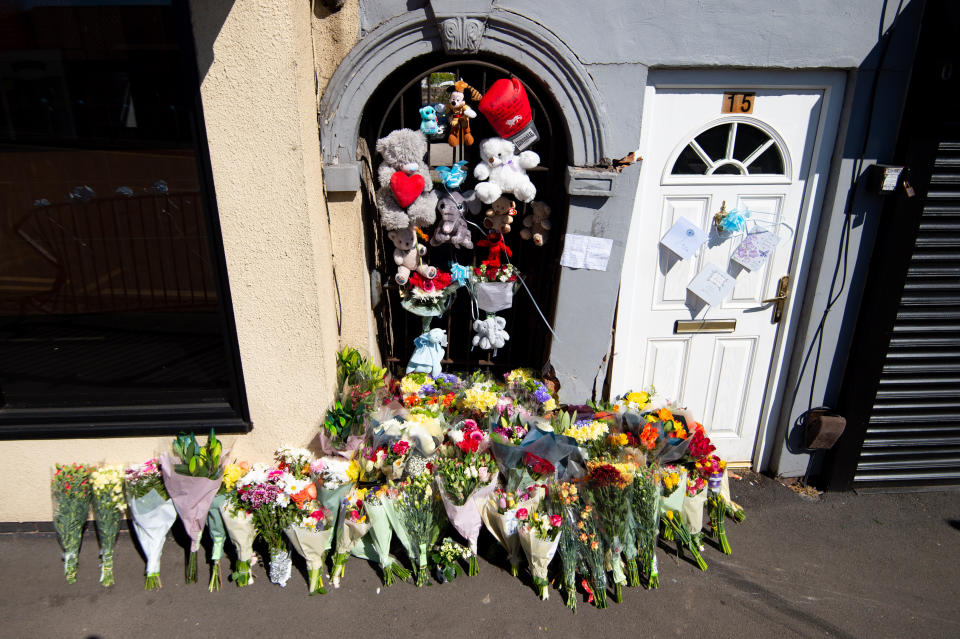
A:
x,y
261,493
674,481
71,503
592,552
354,525
712,468
539,537
215,520
608,483
415,514
152,512
238,523
375,545
499,515
567,499
108,507
645,508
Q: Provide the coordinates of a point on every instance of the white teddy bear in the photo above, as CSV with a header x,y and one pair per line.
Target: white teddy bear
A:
x,y
504,172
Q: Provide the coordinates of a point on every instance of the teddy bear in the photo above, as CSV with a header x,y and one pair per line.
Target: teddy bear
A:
x,y
405,196
497,222
490,333
452,228
504,172
407,254
536,225
459,113
428,120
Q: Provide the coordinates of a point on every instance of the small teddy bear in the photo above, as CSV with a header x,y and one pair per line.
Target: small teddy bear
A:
x,y
405,196
407,253
490,333
504,171
452,228
428,120
536,225
459,113
500,215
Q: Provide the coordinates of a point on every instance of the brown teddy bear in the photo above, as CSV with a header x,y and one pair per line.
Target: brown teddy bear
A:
x,y
407,253
536,225
500,215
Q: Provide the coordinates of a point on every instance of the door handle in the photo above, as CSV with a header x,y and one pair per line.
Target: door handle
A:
x,y
783,294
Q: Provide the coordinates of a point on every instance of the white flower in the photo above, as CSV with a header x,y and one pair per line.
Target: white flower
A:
x,y
455,435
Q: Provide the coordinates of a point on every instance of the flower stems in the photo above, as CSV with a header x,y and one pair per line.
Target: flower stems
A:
x,y
473,567
633,573
214,577
571,590
152,582
422,576
542,586
242,576
684,539
70,567
316,581
653,574
106,567
618,592
192,568
717,507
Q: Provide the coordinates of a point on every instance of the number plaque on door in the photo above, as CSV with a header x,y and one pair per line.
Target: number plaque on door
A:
x,y
738,102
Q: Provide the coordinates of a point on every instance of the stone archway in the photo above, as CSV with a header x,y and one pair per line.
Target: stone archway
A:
x,y
417,33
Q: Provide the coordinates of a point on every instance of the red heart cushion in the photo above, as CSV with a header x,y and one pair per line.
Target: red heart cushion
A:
x,y
406,188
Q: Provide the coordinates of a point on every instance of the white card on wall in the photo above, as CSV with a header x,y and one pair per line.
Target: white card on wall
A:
x,y
712,285
684,238
585,251
755,249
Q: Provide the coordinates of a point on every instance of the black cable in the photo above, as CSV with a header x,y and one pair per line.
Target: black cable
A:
x,y
843,252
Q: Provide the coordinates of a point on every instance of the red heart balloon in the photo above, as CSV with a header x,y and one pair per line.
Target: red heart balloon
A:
x,y
406,188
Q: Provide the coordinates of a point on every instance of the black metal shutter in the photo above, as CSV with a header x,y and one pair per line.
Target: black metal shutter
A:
x,y
913,431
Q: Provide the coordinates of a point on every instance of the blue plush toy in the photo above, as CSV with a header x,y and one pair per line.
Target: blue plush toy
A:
x,y
428,124
453,176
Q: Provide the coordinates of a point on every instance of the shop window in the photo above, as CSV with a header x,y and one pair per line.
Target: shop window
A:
x,y
396,104
731,148
114,312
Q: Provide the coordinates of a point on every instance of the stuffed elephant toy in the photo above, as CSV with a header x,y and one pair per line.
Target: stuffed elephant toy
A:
x,y
452,228
490,333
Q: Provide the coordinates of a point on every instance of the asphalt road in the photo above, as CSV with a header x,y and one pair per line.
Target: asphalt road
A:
x,y
845,566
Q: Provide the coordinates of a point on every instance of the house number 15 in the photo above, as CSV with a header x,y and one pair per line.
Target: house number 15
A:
x,y
738,102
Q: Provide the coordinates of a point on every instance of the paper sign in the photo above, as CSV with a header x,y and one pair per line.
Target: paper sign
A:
x,y
585,251
755,249
712,285
684,238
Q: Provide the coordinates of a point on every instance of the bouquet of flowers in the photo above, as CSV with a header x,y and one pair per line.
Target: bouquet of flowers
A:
x,y
529,392
609,483
335,477
645,508
414,514
499,515
429,298
354,524
465,484
108,507
192,485
71,502
215,522
310,532
634,401
592,553
505,444
694,499
375,545
479,399
152,512
422,390
361,383
714,470
566,499
395,459
262,493
446,557
674,481
589,434
539,537
237,522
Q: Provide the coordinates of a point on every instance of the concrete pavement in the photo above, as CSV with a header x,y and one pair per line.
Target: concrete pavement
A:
x,y
847,565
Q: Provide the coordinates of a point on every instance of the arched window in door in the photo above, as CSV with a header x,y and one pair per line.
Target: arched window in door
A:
x,y
396,104
730,148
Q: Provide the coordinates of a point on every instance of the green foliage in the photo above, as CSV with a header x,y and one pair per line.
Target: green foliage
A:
x,y
196,460
359,382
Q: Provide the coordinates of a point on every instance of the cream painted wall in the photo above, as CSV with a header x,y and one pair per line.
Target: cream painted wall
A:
x,y
257,61
334,34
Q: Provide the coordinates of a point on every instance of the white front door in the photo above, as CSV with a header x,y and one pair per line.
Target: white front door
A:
x,y
695,159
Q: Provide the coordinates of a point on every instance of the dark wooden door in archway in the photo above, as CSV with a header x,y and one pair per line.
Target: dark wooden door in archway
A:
x,y
395,105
